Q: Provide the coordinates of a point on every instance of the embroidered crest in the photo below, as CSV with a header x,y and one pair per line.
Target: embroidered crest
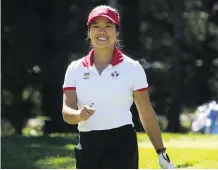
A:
x,y
115,74
86,75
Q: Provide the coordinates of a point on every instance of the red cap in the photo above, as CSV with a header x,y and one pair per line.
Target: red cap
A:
x,y
104,11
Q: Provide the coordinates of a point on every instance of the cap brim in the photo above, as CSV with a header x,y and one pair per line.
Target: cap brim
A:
x,y
89,23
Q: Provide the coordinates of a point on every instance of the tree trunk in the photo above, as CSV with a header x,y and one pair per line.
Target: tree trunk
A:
x,y
130,25
176,78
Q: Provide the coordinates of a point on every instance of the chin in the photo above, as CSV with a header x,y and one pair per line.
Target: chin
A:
x,y
104,45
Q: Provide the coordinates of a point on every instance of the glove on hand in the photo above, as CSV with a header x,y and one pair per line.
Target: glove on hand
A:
x,y
164,161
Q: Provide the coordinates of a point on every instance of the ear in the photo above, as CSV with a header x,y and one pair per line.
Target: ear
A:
x,y
118,34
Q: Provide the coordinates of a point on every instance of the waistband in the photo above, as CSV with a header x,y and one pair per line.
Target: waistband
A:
x,y
108,131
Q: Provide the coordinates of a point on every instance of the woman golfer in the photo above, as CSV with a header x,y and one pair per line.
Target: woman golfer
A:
x,y
99,90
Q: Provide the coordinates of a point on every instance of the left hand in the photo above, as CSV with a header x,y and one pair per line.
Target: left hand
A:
x,y
164,161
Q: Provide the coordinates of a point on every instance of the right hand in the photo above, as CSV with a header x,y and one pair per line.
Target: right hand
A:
x,y
85,113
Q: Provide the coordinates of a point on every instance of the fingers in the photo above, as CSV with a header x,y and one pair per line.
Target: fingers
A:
x,y
86,112
89,110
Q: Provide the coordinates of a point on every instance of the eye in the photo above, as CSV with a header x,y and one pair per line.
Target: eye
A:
x,y
94,26
109,26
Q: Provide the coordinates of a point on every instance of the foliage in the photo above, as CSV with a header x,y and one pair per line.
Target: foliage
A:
x,y
176,43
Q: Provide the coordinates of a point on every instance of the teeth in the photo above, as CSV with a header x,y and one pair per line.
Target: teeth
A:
x,y
103,39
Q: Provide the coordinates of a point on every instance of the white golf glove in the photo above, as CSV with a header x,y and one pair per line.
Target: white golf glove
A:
x,y
165,162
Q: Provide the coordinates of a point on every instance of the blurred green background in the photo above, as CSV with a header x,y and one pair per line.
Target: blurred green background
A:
x,y
176,41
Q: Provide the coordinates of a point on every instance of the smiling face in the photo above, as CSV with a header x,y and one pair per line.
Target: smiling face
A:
x,y
102,33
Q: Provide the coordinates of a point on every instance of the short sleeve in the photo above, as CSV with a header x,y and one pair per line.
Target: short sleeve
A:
x,y
69,79
139,77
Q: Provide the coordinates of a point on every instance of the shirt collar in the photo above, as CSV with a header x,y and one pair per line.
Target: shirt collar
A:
x,y
116,59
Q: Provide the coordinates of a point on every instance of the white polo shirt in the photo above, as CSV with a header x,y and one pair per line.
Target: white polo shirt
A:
x,y
111,92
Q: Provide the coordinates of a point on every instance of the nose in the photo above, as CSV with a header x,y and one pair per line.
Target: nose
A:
x,y
101,31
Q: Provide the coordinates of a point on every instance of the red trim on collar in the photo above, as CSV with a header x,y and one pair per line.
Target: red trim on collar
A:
x,y
117,58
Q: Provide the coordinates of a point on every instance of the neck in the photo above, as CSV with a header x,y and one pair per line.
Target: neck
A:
x,y
102,55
